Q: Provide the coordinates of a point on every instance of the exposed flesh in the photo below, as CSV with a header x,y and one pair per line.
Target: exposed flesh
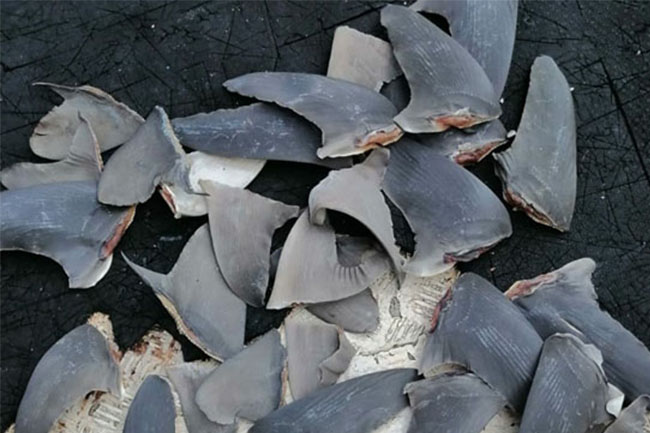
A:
x,y
317,354
569,392
485,28
64,222
355,406
538,171
351,117
83,162
398,340
361,58
152,156
198,298
248,385
565,301
242,224
106,413
448,86
152,409
458,403
497,344
454,216
310,268
467,146
113,122
234,172
405,312
82,361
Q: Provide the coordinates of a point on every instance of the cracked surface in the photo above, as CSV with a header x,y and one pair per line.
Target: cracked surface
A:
x,y
193,47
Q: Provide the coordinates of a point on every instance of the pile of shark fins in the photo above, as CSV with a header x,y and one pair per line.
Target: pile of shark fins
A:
x,y
393,123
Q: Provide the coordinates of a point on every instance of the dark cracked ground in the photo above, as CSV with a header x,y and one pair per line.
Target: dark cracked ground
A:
x,y
178,54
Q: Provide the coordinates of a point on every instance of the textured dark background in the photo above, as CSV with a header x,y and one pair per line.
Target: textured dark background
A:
x,y
178,54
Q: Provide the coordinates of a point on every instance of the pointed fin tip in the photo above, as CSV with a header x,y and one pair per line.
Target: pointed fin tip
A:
x,y
574,271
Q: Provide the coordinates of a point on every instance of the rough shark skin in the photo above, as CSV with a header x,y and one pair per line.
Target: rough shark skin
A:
x,y
198,298
186,379
310,269
633,419
317,354
459,403
358,313
82,361
113,122
357,405
362,59
538,171
64,222
83,162
152,156
353,118
465,146
259,131
152,409
365,202
448,86
485,28
569,392
497,343
248,385
565,301
242,224
454,216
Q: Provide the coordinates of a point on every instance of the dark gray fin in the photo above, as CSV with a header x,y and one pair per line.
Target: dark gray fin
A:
x,y
465,146
248,385
234,172
113,122
398,92
356,192
317,354
459,403
362,59
454,216
565,301
485,28
538,171
82,361
569,392
198,298
353,118
152,409
242,224
498,344
152,156
259,131
358,405
186,379
358,313
64,222
83,162
448,86
310,269
633,419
